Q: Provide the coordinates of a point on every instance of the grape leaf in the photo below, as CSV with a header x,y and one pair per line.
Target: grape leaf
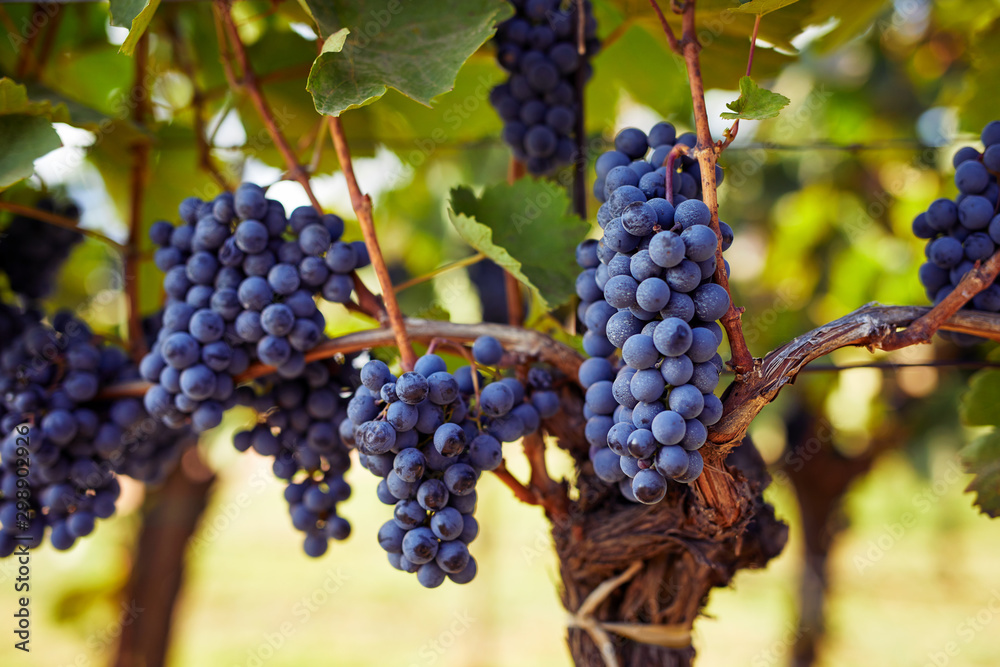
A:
x,y
24,140
528,229
979,404
26,131
134,15
762,6
755,103
982,459
416,48
14,100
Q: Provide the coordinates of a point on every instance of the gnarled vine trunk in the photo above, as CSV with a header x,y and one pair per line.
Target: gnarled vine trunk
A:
x,y
170,517
685,544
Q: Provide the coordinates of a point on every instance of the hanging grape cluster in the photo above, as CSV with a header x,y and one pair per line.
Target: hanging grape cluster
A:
x,y
63,443
539,47
647,292
429,434
966,229
241,281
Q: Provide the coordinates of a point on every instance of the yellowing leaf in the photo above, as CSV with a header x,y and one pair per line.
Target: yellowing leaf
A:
x,y
755,103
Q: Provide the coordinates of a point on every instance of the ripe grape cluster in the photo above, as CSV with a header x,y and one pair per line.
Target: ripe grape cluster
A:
x,y
32,253
429,434
628,164
70,441
62,444
647,290
299,426
966,229
538,46
241,280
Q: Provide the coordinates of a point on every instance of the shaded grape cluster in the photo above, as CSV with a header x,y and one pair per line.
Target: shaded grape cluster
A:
x,y
241,281
74,442
538,46
299,427
429,434
647,292
32,252
966,229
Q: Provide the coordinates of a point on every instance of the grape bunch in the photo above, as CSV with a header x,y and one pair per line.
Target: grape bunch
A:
x,y
32,253
647,291
429,434
241,281
538,47
76,442
628,165
965,230
299,426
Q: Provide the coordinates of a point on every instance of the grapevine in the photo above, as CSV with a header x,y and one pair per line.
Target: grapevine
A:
x,y
328,348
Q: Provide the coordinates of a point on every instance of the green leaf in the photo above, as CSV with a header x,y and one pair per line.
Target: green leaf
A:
x,y
24,140
77,114
134,15
979,404
982,459
14,100
755,103
335,42
762,6
26,131
123,12
528,229
416,48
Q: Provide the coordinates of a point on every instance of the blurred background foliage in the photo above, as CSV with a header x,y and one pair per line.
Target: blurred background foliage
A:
x,y
821,199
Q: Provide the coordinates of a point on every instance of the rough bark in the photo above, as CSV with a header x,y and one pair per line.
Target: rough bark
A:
x,y
684,545
170,517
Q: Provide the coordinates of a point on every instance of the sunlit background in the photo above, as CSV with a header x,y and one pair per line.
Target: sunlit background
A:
x,y
821,200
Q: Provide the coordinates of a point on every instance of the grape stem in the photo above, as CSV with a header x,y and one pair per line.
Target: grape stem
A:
x,y
667,30
677,150
525,343
580,124
521,492
552,494
451,266
466,354
705,151
734,130
531,344
182,54
60,221
26,56
873,326
224,25
140,175
511,285
362,205
250,84
975,281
